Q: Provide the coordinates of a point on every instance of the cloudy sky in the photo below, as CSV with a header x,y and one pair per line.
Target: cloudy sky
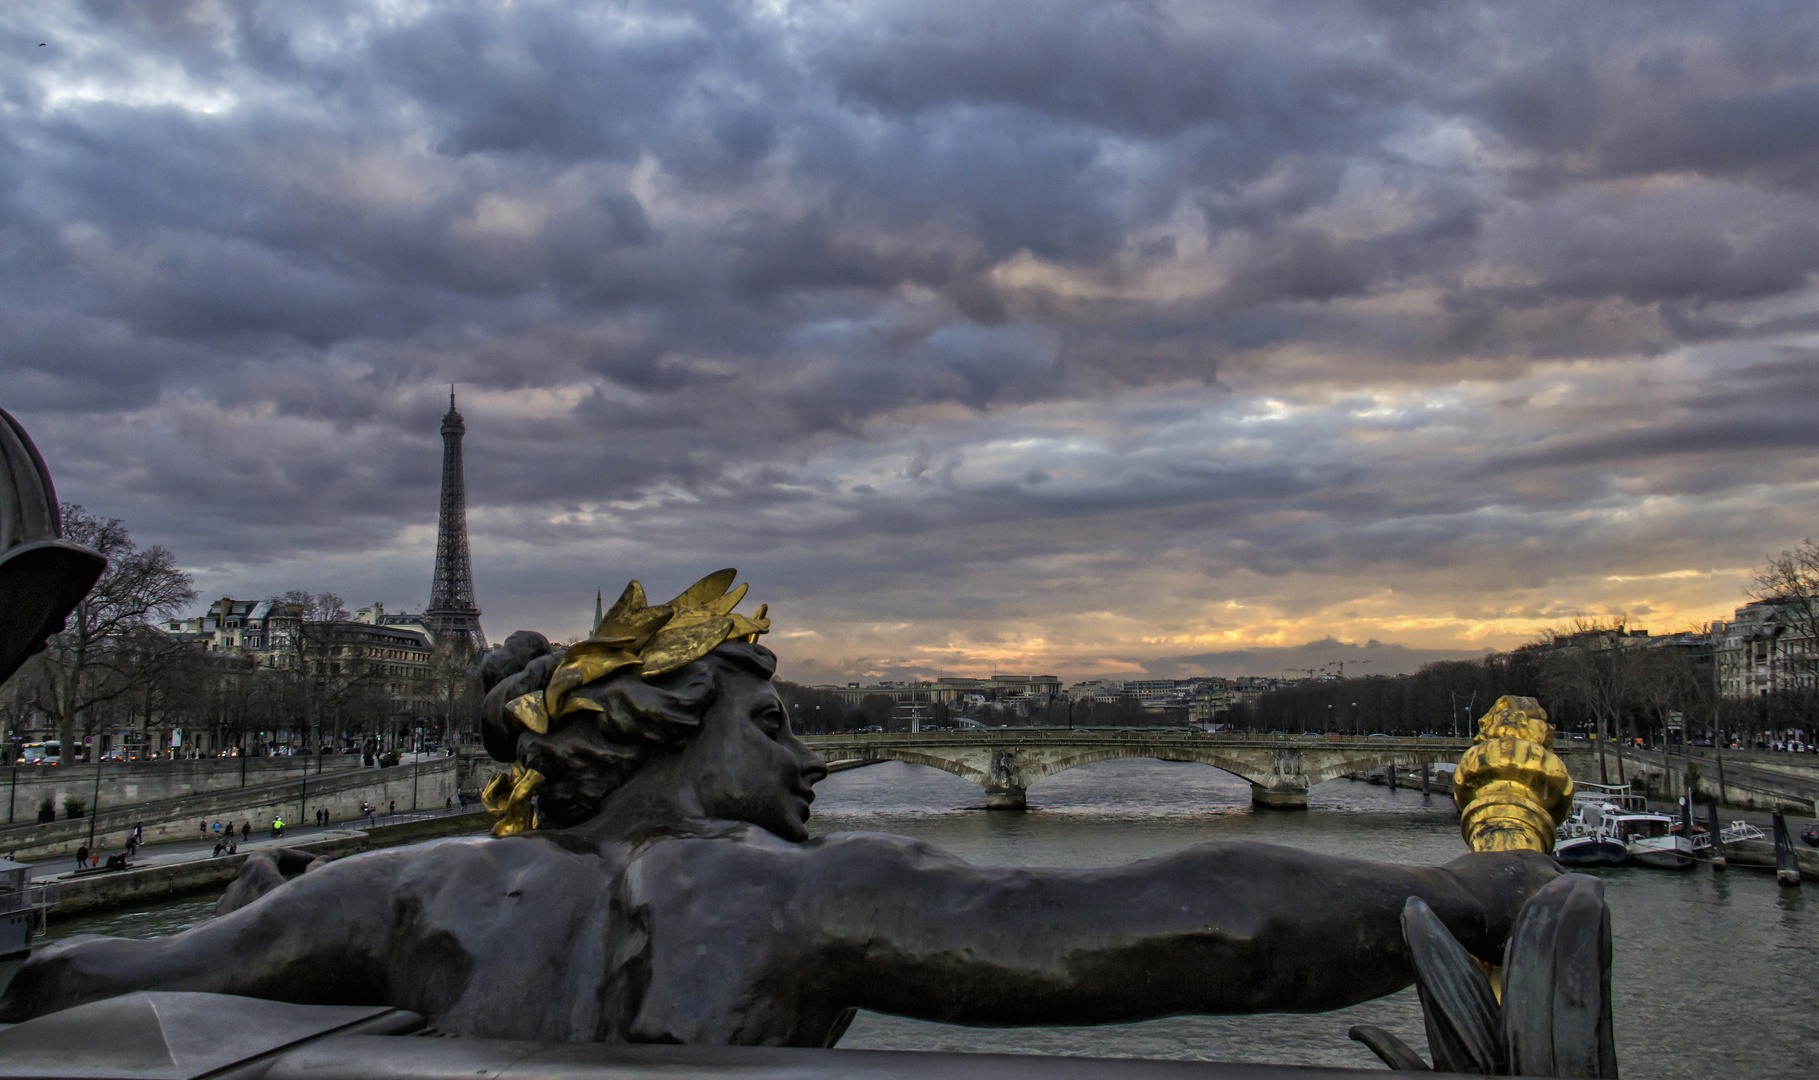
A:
x,y
1090,338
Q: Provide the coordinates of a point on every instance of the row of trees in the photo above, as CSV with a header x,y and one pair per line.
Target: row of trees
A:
x,y
1591,677
1594,676
113,669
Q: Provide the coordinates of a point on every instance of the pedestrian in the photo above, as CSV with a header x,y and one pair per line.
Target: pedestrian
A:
x,y
204,828
82,857
448,804
246,831
394,807
139,832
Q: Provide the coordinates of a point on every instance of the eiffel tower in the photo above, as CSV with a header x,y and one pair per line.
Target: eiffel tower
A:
x,y
452,614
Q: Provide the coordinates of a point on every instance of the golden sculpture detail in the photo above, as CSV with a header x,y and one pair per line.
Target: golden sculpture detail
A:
x,y
658,639
1511,789
508,798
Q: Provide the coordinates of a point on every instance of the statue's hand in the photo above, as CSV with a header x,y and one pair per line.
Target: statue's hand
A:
x,y
1501,882
522,665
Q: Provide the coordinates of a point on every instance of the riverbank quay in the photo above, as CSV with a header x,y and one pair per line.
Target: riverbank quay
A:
x,y
1739,780
27,787
427,783
166,871
1750,854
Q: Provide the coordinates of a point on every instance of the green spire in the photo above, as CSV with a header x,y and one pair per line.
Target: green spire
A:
x,y
598,614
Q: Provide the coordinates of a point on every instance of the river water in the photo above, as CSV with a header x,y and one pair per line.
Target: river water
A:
x,y
1714,974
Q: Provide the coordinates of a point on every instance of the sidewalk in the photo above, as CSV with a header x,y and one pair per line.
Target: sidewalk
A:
x,y
202,848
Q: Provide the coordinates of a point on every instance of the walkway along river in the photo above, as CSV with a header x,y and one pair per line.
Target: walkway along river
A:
x,y
1715,974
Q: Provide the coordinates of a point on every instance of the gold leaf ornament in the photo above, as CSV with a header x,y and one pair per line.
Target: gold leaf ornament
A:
x,y
584,662
528,710
678,646
698,596
727,603
508,798
748,629
1511,788
632,599
656,638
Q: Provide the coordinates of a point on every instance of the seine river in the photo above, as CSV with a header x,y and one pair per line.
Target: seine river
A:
x,y
1715,974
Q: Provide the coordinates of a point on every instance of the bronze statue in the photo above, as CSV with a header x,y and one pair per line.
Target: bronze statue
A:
x,y
42,576
652,880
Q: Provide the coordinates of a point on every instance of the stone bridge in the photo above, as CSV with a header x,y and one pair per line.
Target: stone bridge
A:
x,y
1006,762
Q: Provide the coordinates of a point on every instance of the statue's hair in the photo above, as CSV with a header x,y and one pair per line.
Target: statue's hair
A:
x,y
586,756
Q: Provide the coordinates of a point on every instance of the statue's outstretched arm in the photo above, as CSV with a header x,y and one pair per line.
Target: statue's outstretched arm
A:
x,y
1229,927
320,938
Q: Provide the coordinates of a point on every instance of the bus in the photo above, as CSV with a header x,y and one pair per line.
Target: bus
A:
x,y
41,753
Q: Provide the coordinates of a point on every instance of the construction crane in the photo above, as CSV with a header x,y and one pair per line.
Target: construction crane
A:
x,y
1340,664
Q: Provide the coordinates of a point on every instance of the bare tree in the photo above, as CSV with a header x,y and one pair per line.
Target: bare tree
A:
x,y
1668,681
326,675
90,662
454,688
1589,664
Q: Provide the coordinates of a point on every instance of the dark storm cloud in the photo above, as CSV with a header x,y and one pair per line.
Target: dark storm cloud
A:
x,y
1001,291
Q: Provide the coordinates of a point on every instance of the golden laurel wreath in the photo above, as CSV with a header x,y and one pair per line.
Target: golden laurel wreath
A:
x,y
657,638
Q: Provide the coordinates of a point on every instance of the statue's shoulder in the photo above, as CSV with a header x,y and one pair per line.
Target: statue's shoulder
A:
x,y
747,851
478,858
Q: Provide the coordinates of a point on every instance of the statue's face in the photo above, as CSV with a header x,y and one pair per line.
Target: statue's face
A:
x,y
747,765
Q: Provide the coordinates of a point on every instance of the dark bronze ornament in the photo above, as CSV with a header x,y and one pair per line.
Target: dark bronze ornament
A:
x,y
42,576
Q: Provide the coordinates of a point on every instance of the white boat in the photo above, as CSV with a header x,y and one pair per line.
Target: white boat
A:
x,y
1589,838
1734,833
1652,841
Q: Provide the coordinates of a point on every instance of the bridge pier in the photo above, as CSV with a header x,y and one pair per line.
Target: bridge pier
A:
x,y
1278,797
1006,798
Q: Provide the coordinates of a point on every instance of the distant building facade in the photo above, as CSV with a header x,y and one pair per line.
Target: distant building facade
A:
x,y
395,650
1765,648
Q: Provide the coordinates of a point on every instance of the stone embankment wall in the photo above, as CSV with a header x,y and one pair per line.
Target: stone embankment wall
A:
x,y
23,787
430,784
1750,781
101,891
475,768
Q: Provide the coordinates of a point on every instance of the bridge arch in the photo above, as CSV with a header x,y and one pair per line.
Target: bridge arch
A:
x,y
956,766
1280,772
1222,762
